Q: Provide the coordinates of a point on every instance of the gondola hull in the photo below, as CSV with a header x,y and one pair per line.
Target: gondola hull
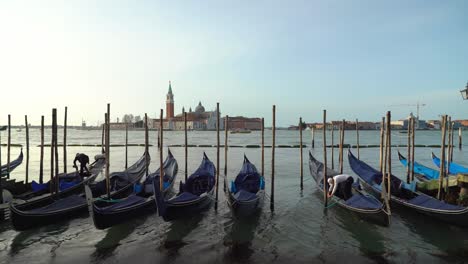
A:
x,y
459,218
109,213
378,215
23,220
246,208
452,216
106,220
180,210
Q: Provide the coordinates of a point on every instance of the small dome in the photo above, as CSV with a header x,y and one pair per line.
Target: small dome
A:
x,y
200,108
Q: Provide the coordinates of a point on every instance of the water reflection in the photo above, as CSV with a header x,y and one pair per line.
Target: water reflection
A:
x,y
178,230
239,235
106,246
25,239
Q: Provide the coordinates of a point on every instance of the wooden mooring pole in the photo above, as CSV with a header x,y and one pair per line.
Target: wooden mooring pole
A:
x,y
357,138
459,138
126,145
217,153
325,189
313,136
185,145
389,155
8,146
263,147
41,162
226,128
56,161
273,131
343,124
408,156
161,162
147,146
65,141
52,179
442,157
300,150
27,148
381,156
108,150
333,145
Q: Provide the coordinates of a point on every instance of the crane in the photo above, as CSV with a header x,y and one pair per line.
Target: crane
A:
x,y
418,105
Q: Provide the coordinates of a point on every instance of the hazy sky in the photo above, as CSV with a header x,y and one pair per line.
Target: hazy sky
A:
x,y
354,58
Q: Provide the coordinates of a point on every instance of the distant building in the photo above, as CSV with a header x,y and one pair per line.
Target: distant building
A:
x,y
200,119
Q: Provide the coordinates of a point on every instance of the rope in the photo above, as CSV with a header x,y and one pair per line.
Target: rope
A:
x,y
331,205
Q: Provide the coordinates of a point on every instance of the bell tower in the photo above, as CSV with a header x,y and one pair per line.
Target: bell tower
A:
x,y
169,103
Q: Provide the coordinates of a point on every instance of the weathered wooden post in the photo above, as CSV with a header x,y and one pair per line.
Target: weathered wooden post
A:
x,y
452,144
333,145
357,138
325,189
300,149
146,145
408,157
41,162
442,157
52,179
108,150
126,145
65,141
273,131
384,162
8,146
449,155
381,156
217,152
226,125
389,155
186,147
27,148
459,138
55,140
342,146
161,148
263,147
313,136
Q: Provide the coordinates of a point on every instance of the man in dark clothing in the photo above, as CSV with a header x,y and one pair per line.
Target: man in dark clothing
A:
x,y
83,159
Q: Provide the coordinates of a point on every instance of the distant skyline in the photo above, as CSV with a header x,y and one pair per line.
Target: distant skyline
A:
x,y
354,58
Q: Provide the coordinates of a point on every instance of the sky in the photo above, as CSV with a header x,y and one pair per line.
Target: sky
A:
x,y
357,59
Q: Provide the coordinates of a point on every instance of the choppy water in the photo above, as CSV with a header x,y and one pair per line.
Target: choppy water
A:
x,y
298,230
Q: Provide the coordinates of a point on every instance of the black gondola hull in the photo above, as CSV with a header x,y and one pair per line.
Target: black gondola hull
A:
x,y
23,221
180,210
246,208
106,220
459,218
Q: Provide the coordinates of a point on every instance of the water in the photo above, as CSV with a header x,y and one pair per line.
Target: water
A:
x,y
298,230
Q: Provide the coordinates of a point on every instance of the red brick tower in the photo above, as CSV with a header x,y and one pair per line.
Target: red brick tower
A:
x,y
169,103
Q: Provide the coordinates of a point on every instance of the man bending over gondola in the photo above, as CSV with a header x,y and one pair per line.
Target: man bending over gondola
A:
x,y
344,183
83,159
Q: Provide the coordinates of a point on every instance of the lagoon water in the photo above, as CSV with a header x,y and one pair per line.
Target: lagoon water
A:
x,y
298,230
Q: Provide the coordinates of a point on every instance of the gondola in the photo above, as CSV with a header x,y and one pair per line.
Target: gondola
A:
x,y
364,206
70,183
195,195
422,172
453,169
53,209
247,192
406,198
106,213
13,164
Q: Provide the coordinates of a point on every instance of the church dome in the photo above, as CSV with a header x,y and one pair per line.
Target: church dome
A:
x,y
200,108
